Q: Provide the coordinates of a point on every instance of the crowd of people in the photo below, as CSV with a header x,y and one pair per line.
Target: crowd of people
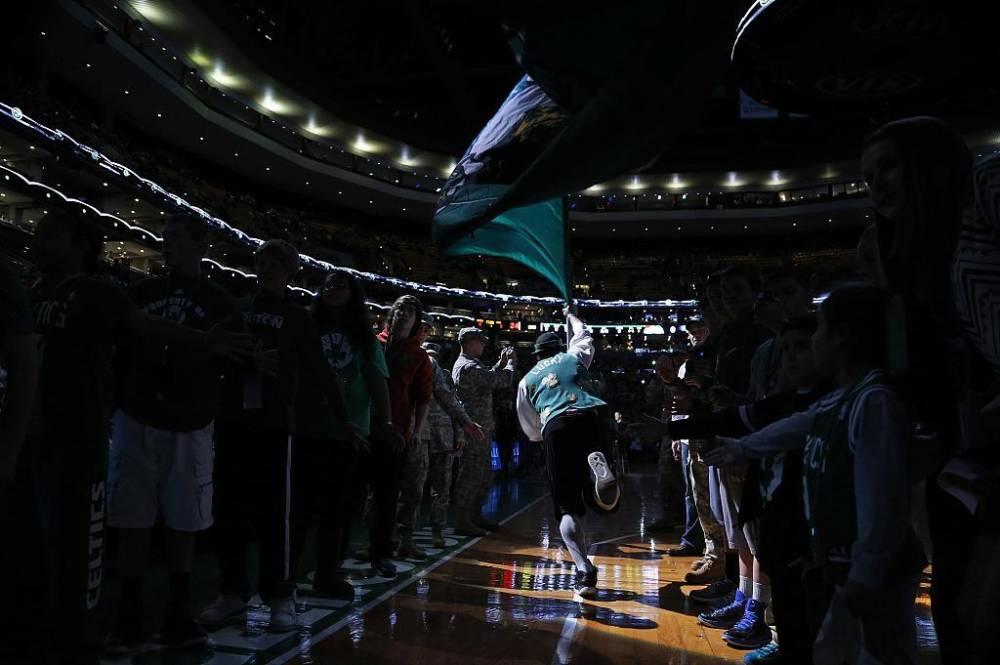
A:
x,y
790,437
256,416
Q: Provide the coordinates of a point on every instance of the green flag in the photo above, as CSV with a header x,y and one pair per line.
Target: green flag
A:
x,y
472,217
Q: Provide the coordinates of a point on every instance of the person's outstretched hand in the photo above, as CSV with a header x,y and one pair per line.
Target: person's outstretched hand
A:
x,y
724,452
648,429
231,345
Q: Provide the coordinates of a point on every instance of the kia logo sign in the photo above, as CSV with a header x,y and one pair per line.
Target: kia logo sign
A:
x,y
868,84
887,22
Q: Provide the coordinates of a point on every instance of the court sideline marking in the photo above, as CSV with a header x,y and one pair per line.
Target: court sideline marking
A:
x,y
330,630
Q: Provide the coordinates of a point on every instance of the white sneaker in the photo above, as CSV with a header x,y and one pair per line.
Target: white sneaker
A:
x,y
283,617
606,491
228,608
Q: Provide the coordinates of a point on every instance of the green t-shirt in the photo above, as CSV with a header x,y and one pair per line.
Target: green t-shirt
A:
x,y
169,388
79,320
348,366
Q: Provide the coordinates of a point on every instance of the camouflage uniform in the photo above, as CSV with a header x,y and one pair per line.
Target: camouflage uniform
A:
x,y
660,403
715,533
475,383
432,452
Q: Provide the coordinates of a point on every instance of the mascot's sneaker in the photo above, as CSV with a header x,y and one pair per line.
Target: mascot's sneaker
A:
x,y
606,490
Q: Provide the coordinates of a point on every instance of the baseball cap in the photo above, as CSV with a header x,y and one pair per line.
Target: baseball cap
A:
x,y
547,340
431,347
469,333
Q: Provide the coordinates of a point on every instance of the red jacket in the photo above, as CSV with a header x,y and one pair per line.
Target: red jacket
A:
x,y
411,382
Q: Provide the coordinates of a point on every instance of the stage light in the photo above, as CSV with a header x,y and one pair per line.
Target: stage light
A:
x,y
635,184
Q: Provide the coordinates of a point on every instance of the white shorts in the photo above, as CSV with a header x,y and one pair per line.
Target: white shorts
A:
x,y
153,472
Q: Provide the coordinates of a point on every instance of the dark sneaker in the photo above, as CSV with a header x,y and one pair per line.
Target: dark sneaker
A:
x,y
180,628
726,616
751,631
336,587
606,491
585,584
718,593
769,654
384,568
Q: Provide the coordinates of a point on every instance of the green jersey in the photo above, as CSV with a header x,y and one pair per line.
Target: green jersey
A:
x,y
173,389
80,320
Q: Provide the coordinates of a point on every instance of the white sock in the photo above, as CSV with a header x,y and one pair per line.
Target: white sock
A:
x,y
573,535
762,592
746,586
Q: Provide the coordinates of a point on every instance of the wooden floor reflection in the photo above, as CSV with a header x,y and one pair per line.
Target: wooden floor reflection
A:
x,y
507,599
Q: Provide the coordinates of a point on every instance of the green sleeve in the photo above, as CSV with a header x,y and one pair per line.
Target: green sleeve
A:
x,y
377,359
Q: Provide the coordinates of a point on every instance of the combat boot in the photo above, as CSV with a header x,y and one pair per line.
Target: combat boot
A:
x,y
711,570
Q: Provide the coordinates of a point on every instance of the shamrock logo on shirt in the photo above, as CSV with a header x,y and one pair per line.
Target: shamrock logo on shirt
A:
x,y
550,381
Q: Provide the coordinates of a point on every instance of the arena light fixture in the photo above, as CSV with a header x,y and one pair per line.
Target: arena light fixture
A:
x,y
227,79
153,12
318,130
275,105
635,183
733,180
675,182
362,144
406,158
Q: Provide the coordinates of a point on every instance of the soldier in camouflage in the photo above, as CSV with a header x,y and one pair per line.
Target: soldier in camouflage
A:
x,y
661,402
475,384
448,427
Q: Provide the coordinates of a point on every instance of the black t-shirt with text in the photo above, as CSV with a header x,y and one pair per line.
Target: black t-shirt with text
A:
x,y
286,327
79,321
170,388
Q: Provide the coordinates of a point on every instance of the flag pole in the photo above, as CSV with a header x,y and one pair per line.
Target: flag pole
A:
x,y
567,243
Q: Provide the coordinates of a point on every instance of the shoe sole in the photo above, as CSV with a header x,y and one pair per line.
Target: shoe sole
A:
x,y
726,625
745,646
586,594
603,479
